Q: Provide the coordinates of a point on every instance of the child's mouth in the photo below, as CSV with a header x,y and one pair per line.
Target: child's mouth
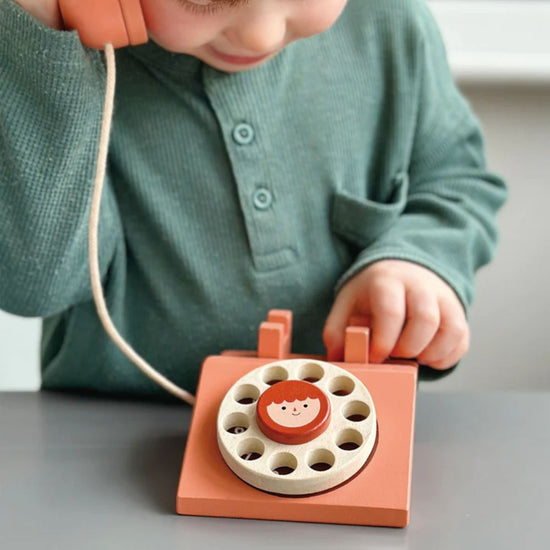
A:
x,y
237,60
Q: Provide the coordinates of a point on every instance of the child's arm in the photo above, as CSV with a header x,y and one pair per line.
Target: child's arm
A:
x,y
416,281
51,91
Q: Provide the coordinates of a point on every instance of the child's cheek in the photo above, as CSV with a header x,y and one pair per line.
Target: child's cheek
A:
x,y
173,28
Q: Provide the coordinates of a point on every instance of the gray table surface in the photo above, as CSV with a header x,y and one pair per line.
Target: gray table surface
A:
x,y
80,472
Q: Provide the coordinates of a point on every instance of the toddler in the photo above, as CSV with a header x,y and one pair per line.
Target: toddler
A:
x,y
311,155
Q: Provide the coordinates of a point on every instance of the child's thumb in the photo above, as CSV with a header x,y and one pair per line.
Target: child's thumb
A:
x,y
335,325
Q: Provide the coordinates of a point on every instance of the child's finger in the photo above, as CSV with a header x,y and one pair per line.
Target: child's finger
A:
x,y
452,330
421,324
387,310
336,323
454,357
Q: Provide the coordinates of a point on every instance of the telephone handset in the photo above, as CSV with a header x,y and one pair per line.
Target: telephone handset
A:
x,y
296,427
98,22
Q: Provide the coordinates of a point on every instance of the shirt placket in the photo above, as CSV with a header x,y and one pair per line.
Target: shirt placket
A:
x,y
247,127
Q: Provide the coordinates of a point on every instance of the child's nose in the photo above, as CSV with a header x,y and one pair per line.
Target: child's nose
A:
x,y
261,34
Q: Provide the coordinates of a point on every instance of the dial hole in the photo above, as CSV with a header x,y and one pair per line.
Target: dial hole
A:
x,y
250,449
246,394
236,423
251,456
283,470
349,440
320,460
356,411
274,374
349,446
320,466
283,464
311,372
236,430
341,386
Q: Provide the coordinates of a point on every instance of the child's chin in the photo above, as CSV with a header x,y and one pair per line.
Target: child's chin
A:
x,y
232,69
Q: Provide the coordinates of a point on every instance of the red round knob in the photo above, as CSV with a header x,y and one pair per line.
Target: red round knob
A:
x,y
293,412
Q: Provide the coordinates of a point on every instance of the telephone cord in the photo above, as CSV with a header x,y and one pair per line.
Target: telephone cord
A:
x,y
97,289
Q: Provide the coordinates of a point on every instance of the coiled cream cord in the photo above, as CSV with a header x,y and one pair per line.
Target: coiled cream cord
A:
x,y
97,289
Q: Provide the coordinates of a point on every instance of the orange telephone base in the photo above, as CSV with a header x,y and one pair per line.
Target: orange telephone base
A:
x,y
379,494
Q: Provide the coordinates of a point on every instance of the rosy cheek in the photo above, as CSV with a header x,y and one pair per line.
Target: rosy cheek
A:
x,y
313,408
153,16
170,25
275,413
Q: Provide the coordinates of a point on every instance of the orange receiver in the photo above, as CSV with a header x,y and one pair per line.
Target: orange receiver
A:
x,y
100,22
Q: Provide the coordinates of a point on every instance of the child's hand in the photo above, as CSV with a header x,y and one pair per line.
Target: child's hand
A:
x,y
412,313
46,11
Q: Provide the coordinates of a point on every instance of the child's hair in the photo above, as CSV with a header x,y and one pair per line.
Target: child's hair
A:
x,y
291,392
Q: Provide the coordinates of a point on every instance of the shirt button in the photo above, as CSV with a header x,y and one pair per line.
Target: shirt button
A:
x,y
262,198
243,133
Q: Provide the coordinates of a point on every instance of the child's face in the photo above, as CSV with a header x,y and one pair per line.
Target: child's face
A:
x,y
236,35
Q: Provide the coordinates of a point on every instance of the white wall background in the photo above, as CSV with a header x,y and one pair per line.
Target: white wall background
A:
x,y
505,73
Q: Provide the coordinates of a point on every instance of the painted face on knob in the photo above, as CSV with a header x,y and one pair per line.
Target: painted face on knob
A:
x,y
296,413
293,412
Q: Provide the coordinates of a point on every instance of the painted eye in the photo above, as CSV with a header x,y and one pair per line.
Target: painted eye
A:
x,y
284,408
305,405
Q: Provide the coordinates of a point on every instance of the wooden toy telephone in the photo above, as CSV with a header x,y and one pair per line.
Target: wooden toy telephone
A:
x,y
289,437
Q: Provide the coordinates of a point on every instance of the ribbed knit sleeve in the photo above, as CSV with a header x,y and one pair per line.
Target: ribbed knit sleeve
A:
x,y
51,95
446,196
